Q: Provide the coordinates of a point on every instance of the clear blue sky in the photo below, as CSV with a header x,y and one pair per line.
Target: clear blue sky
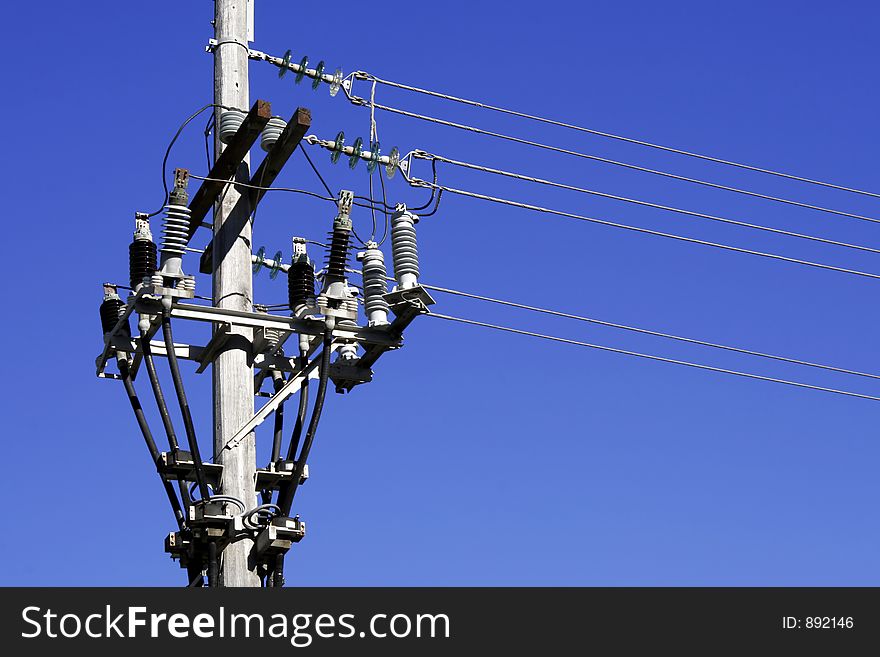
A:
x,y
478,458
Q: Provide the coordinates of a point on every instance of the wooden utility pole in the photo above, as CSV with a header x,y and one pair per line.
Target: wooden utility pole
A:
x,y
233,288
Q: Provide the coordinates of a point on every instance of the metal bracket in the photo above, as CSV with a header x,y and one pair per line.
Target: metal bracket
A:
x,y
276,473
279,536
292,386
180,466
252,54
209,519
183,292
346,374
404,302
217,342
180,546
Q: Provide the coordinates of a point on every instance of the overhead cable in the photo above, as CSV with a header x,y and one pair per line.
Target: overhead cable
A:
x,y
646,231
278,189
644,331
599,133
605,160
636,329
658,206
661,359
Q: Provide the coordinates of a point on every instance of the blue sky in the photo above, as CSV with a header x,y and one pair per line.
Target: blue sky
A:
x,y
475,457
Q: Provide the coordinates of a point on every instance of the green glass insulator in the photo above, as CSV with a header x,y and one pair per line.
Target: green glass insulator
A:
x,y
319,72
259,260
373,162
303,65
276,265
355,156
337,147
285,65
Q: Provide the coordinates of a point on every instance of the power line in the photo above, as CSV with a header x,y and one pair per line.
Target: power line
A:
x,y
267,189
315,169
635,329
625,327
646,231
661,359
171,145
690,213
609,135
330,192
276,189
605,160
311,162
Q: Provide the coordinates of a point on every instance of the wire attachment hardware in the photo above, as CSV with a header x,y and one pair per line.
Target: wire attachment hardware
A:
x,y
336,80
356,152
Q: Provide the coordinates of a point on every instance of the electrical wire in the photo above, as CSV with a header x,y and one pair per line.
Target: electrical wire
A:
x,y
226,499
385,230
661,359
161,404
372,209
213,565
275,189
268,189
278,571
315,169
649,204
184,406
171,144
647,231
289,491
422,215
301,411
256,198
327,187
433,189
627,165
141,419
196,577
324,182
374,139
278,428
372,202
209,126
195,485
251,519
150,364
635,329
229,444
609,135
